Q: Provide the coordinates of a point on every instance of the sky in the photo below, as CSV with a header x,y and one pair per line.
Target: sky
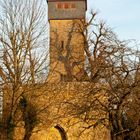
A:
x,y
122,15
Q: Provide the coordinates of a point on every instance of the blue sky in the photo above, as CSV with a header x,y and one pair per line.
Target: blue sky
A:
x,y
122,15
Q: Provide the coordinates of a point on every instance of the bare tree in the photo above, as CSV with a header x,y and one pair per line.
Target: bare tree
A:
x,y
111,73
113,63
23,56
112,68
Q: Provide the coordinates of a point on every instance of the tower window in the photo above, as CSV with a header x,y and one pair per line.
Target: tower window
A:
x,y
60,6
65,6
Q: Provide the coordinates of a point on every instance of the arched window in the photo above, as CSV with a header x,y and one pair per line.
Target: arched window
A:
x,y
62,132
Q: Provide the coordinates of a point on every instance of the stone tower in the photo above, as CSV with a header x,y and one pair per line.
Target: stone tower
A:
x,y
66,42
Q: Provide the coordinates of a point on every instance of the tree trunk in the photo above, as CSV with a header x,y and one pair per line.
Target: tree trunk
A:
x,y
3,135
27,135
